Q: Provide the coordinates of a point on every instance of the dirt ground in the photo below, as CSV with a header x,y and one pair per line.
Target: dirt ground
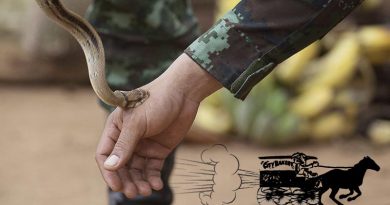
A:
x,y
48,136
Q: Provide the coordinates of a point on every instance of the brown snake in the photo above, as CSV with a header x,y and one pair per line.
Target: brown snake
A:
x,y
94,53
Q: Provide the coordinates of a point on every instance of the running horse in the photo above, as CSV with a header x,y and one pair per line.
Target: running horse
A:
x,y
346,179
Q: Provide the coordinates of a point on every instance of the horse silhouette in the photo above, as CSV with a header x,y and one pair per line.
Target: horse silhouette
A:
x,y
346,179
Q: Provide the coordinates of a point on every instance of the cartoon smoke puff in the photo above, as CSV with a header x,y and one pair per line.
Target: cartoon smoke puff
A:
x,y
226,180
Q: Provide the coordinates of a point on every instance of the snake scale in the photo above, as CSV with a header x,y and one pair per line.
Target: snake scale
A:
x,y
93,49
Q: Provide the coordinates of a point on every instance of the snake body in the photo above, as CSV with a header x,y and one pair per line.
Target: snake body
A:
x,y
93,49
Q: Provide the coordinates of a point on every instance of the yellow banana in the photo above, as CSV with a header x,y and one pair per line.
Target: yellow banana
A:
x,y
330,126
375,42
312,102
338,66
290,70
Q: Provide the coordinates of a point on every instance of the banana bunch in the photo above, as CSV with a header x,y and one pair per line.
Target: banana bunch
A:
x,y
316,94
328,92
336,68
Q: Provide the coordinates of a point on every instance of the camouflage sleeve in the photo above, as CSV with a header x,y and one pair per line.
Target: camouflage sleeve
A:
x,y
140,21
250,40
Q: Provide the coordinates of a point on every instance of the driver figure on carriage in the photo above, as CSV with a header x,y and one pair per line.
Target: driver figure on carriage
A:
x,y
301,166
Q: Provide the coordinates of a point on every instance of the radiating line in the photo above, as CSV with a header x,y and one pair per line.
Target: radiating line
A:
x,y
250,183
208,170
196,186
194,192
184,183
247,187
206,185
192,176
250,180
199,180
200,189
202,173
192,169
241,170
245,175
249,173
198,162
193,165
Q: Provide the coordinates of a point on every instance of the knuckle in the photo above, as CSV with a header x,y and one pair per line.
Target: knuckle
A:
x,y
122,145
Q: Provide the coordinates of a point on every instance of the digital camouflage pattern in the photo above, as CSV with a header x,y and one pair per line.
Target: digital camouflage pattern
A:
x,y
141,37
249,41
140,20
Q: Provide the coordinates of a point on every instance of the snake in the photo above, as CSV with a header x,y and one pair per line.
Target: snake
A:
x,y
93,49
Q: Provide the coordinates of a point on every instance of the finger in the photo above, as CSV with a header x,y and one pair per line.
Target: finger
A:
x,y
105,147
129,188
111,178
136,173
107,141
153,173
124,147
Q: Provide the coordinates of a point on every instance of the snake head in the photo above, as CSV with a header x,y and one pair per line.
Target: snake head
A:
x,y
133,98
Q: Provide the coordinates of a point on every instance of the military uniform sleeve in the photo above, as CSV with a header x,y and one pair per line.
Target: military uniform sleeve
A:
x,y
248,42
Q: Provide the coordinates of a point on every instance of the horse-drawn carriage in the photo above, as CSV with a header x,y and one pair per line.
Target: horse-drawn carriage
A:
x,y
296,184
286,186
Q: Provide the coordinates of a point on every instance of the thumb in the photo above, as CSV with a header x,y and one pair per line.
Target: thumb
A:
x,y
123,149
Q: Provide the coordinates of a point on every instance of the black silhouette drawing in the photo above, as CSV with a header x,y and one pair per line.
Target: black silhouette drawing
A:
x,y
302,168
207,177
346,179
300,185
282,180
294,185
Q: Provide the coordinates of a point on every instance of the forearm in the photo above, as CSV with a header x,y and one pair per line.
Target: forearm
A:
x,y
188,78
249,41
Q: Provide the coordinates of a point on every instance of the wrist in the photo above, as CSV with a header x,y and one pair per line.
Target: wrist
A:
x,y
187,77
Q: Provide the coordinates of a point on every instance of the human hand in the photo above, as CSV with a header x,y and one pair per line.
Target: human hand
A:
x,y
135,142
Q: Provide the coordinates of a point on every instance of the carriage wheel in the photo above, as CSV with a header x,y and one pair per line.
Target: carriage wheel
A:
x,y
269,195
314,198
303,197
264,196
